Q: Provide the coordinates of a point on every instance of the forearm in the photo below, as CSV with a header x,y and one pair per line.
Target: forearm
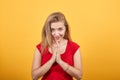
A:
x,y
71,70
42,70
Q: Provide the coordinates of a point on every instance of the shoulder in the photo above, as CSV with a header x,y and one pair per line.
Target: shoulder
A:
x,y
38,46
73,44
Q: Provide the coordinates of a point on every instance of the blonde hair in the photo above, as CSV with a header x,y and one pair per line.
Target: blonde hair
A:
x,y
46,31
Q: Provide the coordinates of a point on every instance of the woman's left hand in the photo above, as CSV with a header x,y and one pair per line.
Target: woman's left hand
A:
x,y
58,57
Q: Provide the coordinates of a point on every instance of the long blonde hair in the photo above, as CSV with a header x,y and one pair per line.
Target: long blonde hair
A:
x,y
46,31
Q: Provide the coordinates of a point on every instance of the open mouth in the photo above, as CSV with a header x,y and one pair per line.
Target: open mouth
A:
x,y
57,38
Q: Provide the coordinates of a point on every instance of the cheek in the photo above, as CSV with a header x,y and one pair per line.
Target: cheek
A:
x,y
62,33
52,33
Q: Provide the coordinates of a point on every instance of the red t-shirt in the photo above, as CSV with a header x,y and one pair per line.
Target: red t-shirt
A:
x,y
56,72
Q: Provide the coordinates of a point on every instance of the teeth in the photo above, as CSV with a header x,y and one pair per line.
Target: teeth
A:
x,y
57,38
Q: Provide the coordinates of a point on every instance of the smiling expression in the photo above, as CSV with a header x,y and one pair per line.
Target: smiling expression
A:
x,y
58,30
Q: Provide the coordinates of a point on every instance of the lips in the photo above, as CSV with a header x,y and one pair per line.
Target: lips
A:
x,y
57,38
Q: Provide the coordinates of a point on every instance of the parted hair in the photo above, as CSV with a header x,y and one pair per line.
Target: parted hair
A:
x,y
47,39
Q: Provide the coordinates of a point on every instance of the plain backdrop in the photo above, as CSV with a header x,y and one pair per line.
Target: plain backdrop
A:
x,y
94,25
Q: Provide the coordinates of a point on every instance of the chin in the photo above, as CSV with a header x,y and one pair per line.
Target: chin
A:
x,y
58,40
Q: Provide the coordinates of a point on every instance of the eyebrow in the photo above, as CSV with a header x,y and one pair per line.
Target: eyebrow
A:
x,y
57,28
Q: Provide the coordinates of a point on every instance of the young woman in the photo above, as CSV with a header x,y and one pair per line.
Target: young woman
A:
x,y
57,57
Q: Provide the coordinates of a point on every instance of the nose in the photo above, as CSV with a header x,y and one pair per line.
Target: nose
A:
x,y
56,34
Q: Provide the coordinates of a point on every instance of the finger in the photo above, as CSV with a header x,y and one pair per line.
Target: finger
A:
x,y
56,41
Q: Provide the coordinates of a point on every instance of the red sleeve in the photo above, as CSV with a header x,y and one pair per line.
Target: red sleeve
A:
x,y
74,47
38,47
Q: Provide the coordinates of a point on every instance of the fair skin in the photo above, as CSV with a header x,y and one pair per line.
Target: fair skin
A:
x,y
58,47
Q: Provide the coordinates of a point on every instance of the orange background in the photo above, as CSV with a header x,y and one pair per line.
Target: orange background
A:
x,y
94,25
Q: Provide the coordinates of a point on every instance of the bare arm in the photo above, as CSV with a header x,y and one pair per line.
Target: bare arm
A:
x,y
75,71
37,69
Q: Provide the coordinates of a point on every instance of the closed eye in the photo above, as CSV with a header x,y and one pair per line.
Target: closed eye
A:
x,y
60,29
52,30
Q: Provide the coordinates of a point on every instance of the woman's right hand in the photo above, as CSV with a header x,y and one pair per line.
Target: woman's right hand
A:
x,y
54,54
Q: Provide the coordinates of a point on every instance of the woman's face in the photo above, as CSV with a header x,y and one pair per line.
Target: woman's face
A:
x,y
58,30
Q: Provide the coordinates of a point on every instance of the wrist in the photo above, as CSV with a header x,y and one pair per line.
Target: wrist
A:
x,y
59,62
51,61
67,67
